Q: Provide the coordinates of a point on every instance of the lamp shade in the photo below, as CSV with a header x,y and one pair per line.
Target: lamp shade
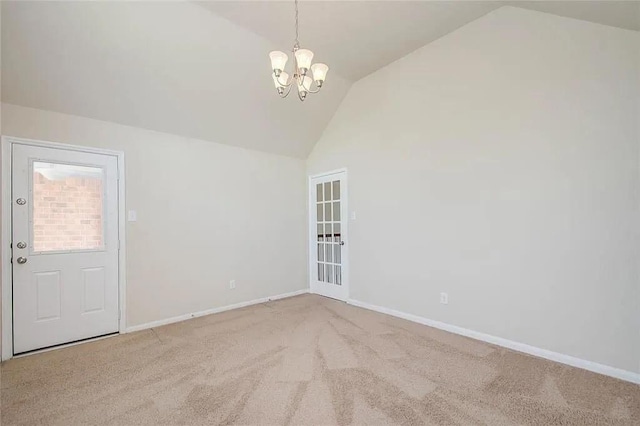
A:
x,y
304,57
319,71
306,84
278,60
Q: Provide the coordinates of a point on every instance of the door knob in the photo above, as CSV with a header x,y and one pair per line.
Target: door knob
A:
x,y
22,260
341,243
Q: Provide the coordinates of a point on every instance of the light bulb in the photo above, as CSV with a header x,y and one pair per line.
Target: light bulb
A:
x,y
304,57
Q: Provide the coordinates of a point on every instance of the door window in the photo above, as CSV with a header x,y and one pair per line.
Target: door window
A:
x,y
328,237
68,208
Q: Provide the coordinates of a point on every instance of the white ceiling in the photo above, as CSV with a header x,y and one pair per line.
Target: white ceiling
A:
x,y
201,69
167,66
356,38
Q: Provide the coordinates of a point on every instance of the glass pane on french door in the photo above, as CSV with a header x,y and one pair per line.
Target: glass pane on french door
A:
x,y
328,237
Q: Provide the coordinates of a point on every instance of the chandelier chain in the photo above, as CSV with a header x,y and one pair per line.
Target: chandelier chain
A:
x,y
296,45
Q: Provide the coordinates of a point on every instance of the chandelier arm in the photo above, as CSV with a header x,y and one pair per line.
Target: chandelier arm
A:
x,y
286,93
287,84
314,91
311,85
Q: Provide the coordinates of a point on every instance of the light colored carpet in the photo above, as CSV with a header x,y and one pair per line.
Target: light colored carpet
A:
x,y
304,360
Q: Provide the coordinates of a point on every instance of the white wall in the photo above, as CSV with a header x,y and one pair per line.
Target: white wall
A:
x,y
1,212
207,213
501,164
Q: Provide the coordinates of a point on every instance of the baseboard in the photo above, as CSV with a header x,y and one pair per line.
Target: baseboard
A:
x,y
212,311
510,344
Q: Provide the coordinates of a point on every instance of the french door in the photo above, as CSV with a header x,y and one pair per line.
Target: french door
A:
x,y
328,235
64,246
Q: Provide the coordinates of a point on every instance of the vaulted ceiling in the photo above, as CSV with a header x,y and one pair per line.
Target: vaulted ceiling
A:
x,y
174,67
359,37
201,69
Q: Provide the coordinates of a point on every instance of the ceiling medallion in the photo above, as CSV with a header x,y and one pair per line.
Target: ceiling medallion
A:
x,y
301,67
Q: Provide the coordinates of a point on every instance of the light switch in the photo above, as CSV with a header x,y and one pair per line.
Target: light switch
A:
x,y
353,215
132,216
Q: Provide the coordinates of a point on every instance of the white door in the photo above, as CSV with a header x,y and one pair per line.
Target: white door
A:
x,y
64,246
329,244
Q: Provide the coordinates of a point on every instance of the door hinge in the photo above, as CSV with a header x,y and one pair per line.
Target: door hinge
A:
x,y
118,244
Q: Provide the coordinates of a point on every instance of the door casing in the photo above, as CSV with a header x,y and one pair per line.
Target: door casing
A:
x,y
5,232
313,230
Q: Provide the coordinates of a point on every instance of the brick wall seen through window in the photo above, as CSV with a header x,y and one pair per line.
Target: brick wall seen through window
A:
x,y
67,213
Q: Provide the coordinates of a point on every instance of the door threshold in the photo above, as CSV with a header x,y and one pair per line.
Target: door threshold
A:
x,y
65,345
331,297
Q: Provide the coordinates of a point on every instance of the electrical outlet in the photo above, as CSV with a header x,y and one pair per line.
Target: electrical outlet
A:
x,y
232,284
444,298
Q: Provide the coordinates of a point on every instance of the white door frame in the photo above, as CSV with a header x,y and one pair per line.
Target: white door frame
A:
x,y
313,230
5,233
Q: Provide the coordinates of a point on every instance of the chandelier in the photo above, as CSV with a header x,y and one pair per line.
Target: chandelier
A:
x,y
301,67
